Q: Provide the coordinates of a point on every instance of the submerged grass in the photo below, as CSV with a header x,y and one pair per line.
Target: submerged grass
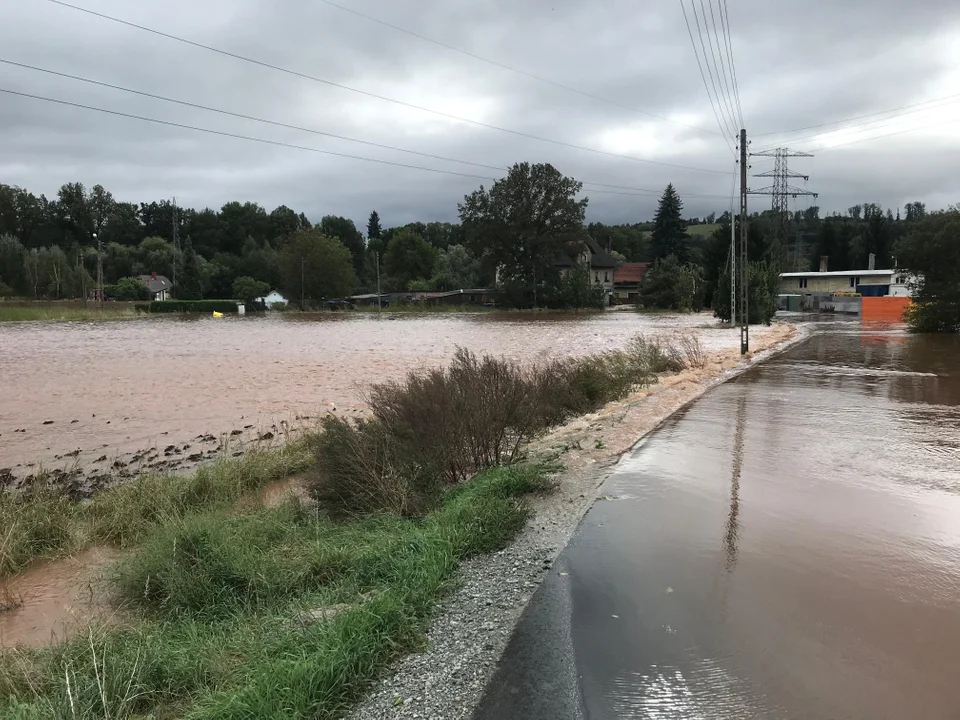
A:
x,y
43,521
275,613
52,312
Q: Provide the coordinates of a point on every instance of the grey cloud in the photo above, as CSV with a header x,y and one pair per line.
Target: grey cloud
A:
x,y
796,66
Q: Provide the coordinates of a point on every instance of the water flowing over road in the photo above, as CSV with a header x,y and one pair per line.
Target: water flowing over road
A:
x,y
786,547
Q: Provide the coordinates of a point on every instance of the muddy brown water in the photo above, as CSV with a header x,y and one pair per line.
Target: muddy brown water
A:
x,y
53,599
786,547
91,394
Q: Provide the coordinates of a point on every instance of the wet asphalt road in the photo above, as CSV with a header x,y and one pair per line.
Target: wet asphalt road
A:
x,y
786,547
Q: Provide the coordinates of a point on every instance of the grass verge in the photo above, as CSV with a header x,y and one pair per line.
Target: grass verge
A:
x,y
53,312
274,613
42,520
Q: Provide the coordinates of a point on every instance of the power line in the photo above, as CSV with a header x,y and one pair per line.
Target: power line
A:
x,y
951,98
725,23
331,83
899,132
715,54
716,115
249,138
509,68
852,128
237,136
722,102
243,116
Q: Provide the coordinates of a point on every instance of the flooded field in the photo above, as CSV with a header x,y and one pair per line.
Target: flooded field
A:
x,y
127,394
786,547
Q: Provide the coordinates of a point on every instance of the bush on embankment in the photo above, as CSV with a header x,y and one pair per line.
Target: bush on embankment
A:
x,y
245,614
439,427
45,520
188,306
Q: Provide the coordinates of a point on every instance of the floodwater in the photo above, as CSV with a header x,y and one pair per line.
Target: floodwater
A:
x,y
91,393
787,547
52,599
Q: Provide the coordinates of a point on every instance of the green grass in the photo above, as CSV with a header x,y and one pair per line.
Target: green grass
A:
x,y
702,230
43,522
230,607
54,312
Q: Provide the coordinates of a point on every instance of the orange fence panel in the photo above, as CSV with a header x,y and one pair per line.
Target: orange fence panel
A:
x,y
884,309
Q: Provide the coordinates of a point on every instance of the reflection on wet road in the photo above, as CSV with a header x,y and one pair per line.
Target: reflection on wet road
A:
x,y
787,547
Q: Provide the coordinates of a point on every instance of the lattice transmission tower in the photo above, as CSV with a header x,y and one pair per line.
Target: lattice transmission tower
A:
x,y
781,191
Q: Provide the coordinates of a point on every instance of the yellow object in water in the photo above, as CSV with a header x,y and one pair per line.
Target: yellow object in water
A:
x,y
217,314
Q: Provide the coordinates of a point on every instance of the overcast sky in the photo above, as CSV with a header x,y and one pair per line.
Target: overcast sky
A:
x,y
798,64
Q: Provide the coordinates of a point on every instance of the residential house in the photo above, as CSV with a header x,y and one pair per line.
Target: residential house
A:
x,y
626,282
600,264
158,285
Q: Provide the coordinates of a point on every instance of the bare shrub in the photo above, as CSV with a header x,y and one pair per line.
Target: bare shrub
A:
x,y
693,353
442,426
362,469
655,356
471,416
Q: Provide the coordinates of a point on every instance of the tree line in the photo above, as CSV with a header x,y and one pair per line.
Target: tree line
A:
x,y
512,233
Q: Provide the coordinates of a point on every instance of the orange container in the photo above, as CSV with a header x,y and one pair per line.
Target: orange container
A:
x,y
884,309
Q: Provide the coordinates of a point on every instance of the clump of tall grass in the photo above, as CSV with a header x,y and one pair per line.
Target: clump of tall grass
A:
x,y
35,521
43,519
230,627
439,427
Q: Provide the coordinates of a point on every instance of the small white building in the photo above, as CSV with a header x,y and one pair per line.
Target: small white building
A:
x,y
158,285
274,298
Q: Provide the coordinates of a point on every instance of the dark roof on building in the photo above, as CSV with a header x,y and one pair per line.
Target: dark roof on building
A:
x,y
600,258
156,283
630,272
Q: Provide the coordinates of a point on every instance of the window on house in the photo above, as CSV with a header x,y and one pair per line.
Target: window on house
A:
x,y
901,279
596,277
853,282
803,282
606,277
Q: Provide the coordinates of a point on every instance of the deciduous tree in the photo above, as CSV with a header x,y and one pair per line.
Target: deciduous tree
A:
x,y
525,222
316,266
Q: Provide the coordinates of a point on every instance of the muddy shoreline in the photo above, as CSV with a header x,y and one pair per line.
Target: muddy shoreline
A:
x,y
472,628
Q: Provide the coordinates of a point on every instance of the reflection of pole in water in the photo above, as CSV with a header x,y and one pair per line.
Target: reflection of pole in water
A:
x,y
733,523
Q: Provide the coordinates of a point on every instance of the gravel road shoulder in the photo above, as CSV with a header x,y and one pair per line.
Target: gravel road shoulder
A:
x,y
473,625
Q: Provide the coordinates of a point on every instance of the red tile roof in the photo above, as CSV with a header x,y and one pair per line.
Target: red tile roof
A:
x,y
630,272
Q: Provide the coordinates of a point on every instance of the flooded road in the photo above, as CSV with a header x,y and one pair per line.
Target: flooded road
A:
x,y
87,393
787,547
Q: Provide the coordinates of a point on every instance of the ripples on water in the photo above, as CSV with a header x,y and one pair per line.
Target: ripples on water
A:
x,y
805,522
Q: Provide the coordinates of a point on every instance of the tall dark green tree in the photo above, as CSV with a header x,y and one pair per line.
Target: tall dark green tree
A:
x,y
315,267
346,232
525,222
932,250
409,258
373,226
669,229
